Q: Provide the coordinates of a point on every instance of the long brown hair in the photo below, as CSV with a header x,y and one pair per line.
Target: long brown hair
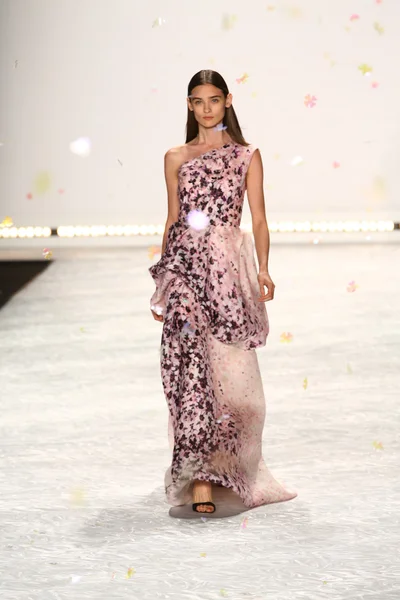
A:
x,y
230,119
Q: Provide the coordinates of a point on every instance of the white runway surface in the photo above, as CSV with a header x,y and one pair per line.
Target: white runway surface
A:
x,y
84,447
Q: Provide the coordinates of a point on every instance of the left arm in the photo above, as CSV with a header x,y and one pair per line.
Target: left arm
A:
x,y
255,194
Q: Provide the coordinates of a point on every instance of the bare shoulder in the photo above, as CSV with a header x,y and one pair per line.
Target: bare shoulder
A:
x,y
175,156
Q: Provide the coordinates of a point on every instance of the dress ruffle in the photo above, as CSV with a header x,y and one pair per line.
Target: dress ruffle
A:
x,y
218,265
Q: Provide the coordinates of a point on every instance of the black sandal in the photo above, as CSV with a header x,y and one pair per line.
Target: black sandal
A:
x,y
196,504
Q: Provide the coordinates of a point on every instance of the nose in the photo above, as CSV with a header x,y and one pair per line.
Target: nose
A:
x,y
207,108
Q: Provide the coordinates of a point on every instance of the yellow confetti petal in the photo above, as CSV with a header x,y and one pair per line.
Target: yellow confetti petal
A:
x,y
223,593
377,445
153,251
365,69
78,497
228,22
6,222
158,22
378,28
286,337
305,383
42,183
243,78
294,12
130,573
203,554
47,254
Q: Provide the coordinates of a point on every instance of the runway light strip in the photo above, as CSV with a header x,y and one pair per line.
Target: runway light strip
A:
x,y
276,227
71,231
25,232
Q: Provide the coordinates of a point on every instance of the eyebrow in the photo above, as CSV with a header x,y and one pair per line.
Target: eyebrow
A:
x,y
210,97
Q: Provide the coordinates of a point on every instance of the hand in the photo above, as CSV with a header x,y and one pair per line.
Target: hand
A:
x,y
157,317
265,280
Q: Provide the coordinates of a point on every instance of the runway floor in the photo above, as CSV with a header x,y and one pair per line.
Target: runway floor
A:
x,y
84,448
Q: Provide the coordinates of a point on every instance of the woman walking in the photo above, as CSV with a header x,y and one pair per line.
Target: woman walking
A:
x,y
212,304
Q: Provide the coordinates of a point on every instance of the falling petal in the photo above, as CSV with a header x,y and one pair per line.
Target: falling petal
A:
x,y
305,383
78,497
203,519
374,84
42,183
297,161
377,445
244,523
76,578
29,196
203,554
157,309
159,22
336,164
154,251
220,127
286,337
349,369
197,220
81,146
228,22
294,12
243,78
119,162
354,17
310,101
365,69
47,254
130,573
6,222
352,286
378,28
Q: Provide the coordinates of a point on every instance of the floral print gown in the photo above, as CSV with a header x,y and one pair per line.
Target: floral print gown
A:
x,y
207,289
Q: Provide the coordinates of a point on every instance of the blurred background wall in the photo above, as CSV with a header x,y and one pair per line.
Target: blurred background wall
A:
x,y
117,72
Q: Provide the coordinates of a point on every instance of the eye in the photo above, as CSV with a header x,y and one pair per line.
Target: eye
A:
x,y
215,100
197,102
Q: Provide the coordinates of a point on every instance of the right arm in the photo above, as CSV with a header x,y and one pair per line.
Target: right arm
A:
x,y
172,161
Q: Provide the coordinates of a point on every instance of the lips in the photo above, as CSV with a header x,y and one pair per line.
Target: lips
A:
x,y
208,118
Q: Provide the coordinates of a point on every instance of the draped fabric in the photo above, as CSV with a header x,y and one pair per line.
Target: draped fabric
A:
x,y
207,290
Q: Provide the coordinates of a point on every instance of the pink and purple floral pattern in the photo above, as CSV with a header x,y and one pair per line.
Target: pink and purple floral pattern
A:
x,y
207,289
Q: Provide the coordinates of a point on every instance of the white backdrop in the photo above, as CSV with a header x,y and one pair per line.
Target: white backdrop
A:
x,y
117,72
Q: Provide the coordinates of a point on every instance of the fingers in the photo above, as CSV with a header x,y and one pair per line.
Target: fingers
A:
x,y
269,296
157,317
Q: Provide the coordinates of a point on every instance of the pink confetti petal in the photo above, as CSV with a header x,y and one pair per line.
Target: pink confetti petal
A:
x,y
354,17
336,164
310,101
352,286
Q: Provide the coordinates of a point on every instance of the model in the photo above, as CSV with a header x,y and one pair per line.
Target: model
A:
x,y
211,301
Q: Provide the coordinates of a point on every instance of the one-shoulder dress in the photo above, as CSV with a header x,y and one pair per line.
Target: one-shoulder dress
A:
x,y
207,289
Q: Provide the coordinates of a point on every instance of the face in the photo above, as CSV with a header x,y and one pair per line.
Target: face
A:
x,y
208,104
